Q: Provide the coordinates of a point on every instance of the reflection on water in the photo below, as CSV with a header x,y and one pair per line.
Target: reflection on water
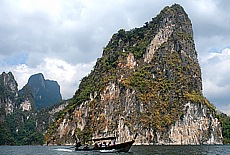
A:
x,y
182,150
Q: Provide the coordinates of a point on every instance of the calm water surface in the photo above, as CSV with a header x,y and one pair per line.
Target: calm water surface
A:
x,y
135,150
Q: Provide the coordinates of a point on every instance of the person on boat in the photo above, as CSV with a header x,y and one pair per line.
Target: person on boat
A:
x,y
95,145
104,144
86,146
78,144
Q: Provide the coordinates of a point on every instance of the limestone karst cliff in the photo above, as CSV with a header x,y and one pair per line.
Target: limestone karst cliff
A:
x,y
20,121
12,119
8,94
45,92
148,81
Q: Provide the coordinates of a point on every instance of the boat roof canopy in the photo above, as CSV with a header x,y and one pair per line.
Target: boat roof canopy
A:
x,y
104,138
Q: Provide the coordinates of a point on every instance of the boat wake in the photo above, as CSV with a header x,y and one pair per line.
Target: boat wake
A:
x,y
64,150
108,151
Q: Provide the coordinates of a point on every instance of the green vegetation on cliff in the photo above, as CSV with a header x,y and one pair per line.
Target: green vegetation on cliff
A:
x,y
143,81
20,129
20,121
225,121
17,127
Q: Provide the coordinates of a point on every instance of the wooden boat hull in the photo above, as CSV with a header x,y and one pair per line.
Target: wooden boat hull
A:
x,y
122,147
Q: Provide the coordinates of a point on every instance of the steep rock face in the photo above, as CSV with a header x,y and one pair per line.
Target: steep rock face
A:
x,y
45,92
147,81
197,126
8,94
46,116
16,113
20,121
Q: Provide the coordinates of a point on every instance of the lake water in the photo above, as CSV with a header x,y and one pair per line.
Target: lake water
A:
x,y
135,150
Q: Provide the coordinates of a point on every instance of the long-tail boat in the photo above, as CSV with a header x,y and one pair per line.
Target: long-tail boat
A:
x,y
106,144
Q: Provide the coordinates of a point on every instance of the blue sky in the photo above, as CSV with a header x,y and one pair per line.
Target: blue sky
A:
x,y
16,59
63,38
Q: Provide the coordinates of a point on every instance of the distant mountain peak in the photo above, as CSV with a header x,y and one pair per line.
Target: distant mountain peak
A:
x,y
45,92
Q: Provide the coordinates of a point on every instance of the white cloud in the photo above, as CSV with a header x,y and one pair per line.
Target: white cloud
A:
x,y
226,109
216,73
67,75
60,33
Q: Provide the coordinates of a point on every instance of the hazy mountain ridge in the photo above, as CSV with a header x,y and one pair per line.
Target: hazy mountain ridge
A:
x,y
45,92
